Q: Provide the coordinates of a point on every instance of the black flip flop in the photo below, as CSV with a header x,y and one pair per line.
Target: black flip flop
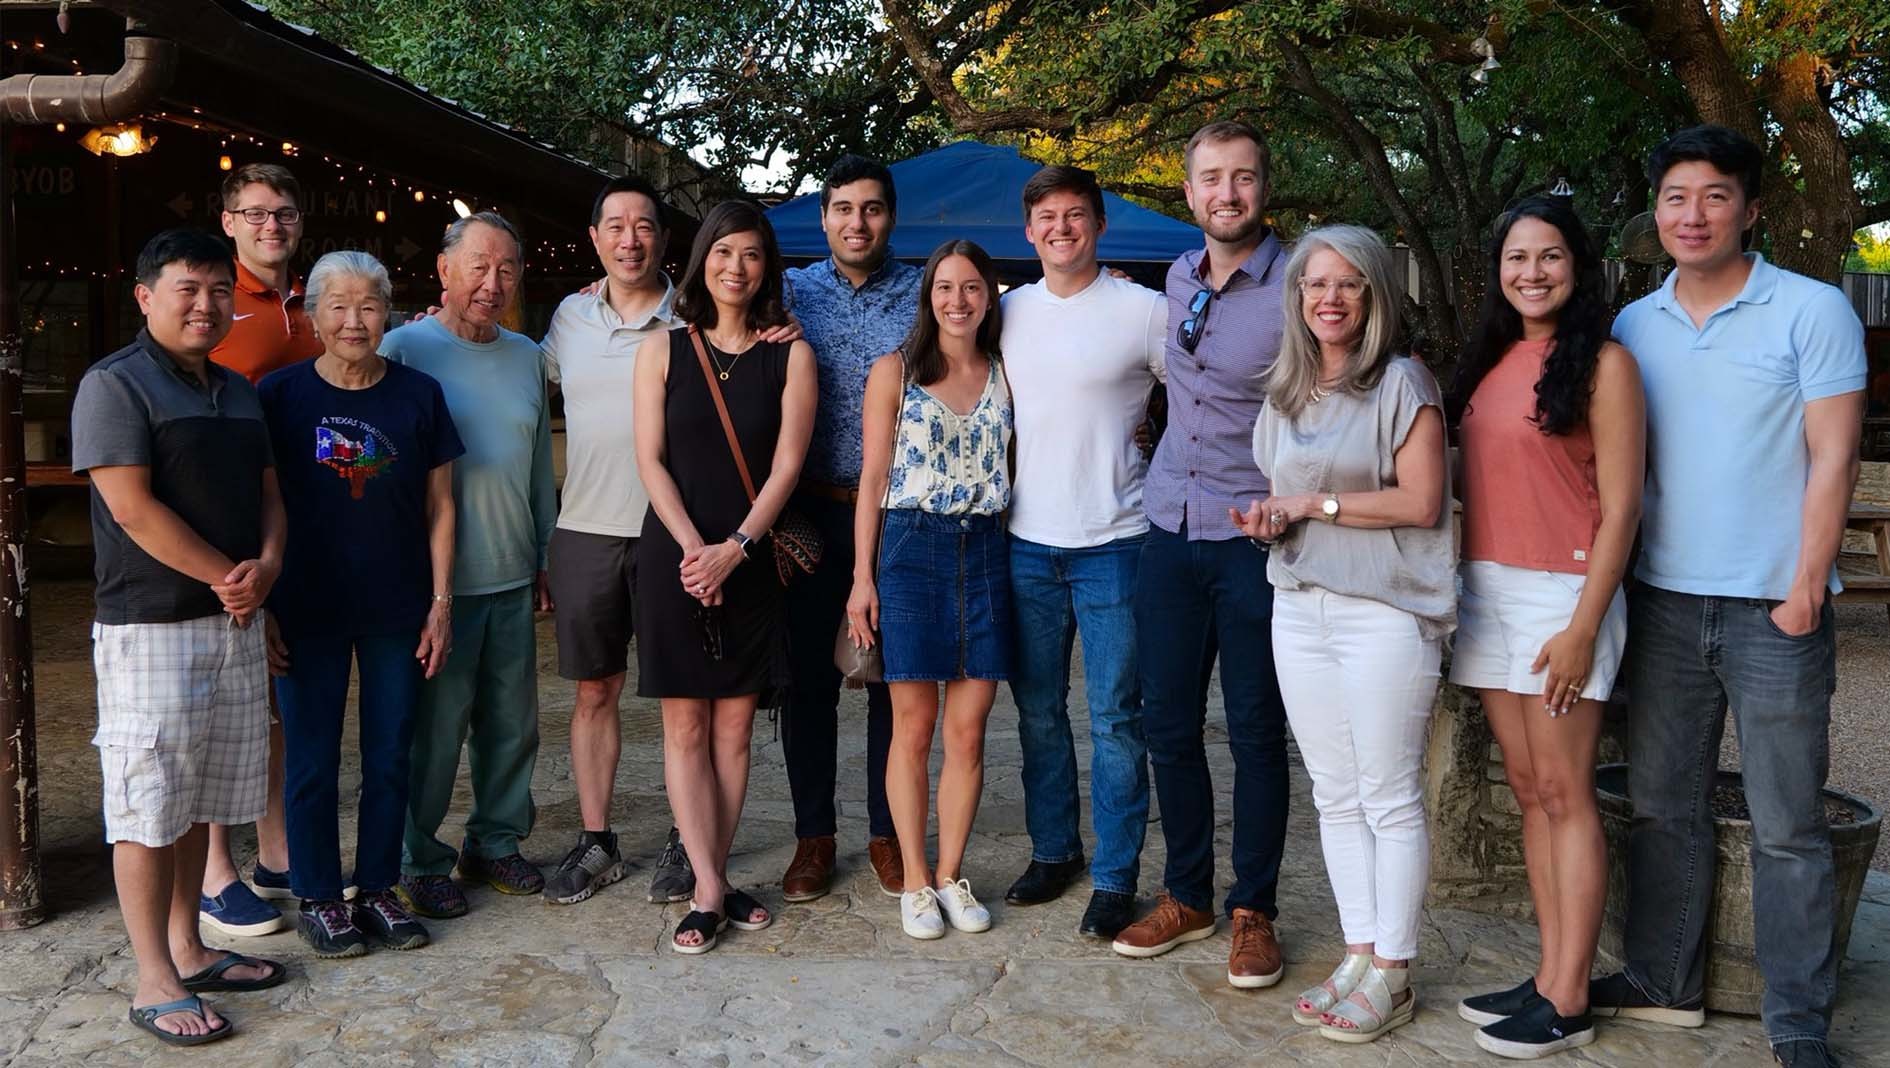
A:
x,y
145,1019
736,903
211,979
708,924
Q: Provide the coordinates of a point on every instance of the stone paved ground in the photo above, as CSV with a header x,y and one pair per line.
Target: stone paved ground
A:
x,y
833,982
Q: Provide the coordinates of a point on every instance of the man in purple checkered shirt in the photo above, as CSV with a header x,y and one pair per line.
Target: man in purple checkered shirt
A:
x,y
1202,583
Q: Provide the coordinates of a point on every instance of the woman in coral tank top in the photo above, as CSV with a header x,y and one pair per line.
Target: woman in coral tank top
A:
x,y
1553,437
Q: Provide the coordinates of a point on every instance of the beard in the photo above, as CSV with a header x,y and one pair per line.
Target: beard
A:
x,y
1231,231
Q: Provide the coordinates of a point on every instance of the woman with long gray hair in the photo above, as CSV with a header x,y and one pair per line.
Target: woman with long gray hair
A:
x,y
1352,442
364,451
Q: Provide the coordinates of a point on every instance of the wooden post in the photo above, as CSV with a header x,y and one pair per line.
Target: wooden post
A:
x,y
21,904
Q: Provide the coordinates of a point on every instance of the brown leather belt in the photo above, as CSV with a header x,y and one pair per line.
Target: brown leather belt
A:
x,y
827,491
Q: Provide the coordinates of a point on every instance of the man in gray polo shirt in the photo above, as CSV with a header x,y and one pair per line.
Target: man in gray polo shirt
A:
x,y
189,529
590,354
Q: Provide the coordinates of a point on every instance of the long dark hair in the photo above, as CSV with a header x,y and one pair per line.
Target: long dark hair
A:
x,y
1581,328
924,362
693,303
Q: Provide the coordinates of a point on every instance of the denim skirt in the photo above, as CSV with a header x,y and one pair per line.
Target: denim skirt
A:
x,y
944,597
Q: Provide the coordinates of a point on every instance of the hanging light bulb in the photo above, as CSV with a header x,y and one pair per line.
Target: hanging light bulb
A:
x,y
224,163
120,140
380,216
419,197
460,208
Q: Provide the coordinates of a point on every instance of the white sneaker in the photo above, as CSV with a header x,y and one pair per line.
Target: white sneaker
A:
x,y
963,909
918,914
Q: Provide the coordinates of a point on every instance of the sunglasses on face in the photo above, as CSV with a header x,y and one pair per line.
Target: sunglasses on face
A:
x,y
1189,333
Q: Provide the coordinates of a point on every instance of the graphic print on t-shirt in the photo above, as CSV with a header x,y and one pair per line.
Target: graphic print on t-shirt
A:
x,y
357,453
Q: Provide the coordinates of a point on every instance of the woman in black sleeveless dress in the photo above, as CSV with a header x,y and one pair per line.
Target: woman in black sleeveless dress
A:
x,y
710,632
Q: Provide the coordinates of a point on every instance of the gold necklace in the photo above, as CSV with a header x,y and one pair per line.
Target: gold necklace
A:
x,y
722,372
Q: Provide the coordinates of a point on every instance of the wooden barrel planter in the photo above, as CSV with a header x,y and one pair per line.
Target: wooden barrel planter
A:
x,y
1733,982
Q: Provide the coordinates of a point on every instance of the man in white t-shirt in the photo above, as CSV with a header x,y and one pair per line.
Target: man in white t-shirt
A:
x,y
1083,350
590,353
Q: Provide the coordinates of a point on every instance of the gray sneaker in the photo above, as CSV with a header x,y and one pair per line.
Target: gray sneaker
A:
x,y
674,879
591,865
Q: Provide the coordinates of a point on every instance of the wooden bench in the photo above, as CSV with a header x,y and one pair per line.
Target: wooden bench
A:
x,y
1867,579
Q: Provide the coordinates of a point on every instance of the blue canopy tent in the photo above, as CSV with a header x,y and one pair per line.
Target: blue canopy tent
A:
x,y
975,191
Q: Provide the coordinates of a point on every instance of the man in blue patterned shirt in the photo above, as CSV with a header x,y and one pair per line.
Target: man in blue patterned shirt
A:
x,y
855,306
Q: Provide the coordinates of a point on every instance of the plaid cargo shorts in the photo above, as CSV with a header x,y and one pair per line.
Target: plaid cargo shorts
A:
x,y
183,726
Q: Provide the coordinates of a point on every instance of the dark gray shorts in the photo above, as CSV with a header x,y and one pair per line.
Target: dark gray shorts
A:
x,y
591,578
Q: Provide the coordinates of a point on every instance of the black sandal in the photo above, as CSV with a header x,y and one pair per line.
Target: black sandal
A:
x,y
707,924
737,903
212,979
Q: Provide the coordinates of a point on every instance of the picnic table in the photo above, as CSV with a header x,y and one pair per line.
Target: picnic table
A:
x,y
1866,576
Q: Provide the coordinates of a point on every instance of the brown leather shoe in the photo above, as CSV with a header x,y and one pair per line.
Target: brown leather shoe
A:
x,y
811,870
888,865
1254,960
1169,925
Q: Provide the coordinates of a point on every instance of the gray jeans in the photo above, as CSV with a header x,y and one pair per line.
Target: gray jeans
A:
x,y
1688,658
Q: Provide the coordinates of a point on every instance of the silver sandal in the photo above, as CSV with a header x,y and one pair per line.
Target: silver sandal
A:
x,y
1315,1002
1380,1013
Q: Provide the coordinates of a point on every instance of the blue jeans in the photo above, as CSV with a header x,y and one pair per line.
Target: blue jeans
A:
x,y
1688,658
1191,595
1056,595
314,698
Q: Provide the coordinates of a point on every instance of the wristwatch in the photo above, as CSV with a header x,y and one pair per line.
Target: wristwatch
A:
x,y
742,542
1329,508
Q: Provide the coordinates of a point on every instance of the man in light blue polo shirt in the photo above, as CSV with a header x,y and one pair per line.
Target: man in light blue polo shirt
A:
x,y
1754,379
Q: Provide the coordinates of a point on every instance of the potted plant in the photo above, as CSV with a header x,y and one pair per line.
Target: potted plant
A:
x,y
1733,982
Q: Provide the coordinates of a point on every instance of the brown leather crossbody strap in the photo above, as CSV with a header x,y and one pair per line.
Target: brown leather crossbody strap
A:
x,y
721,409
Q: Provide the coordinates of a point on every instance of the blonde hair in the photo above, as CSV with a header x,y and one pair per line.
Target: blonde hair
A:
x,y
1291,380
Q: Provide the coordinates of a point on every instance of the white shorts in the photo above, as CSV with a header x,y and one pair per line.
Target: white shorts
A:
x,y
183,726
1508,613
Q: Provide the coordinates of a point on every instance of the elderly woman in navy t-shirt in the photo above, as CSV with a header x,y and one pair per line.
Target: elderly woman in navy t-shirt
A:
x,y
364,452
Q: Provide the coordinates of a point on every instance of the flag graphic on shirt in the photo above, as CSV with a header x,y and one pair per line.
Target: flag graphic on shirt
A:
x,y
356,460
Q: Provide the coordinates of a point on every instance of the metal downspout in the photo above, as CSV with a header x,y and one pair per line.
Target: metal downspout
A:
x,y
37,99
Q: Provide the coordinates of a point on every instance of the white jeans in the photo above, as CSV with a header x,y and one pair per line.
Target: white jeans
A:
x,y
1358,680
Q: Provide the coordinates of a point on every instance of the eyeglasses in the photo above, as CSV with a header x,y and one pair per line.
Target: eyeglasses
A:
x,y
1189,334
259,216
1350,288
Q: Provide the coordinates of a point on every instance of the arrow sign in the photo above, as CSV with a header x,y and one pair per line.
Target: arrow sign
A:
x,y
181,204
406,249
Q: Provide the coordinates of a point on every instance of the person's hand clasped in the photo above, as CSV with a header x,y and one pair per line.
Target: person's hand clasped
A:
x,y
706,567
245,588
1567,656
862,613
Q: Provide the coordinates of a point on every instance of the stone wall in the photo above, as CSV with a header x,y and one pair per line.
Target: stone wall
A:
x,y
1476,826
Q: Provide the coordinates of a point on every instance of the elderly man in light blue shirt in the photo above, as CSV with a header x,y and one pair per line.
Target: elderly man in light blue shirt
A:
x,y
1754,379
487,695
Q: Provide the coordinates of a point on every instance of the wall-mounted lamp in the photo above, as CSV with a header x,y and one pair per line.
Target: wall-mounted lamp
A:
x,y
119,140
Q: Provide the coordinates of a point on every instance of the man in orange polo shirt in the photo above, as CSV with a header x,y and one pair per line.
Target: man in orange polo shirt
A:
x,y
262,214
